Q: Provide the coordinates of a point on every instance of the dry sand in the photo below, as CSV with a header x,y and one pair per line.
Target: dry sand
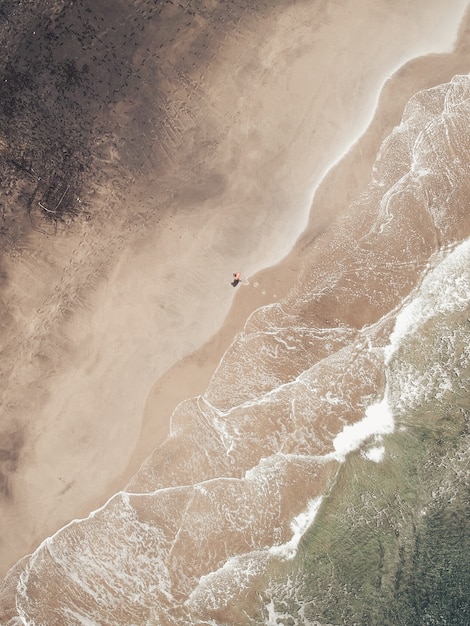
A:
x,y
206,170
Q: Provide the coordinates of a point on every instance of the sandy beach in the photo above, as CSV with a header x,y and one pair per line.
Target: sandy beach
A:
x,y
205,164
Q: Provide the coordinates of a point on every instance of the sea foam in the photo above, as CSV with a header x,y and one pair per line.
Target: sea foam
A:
x,y
299,526
378,420
445,288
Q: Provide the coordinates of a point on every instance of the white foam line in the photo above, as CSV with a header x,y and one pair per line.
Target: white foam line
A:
x,y
265,398
299,525
417,308
434,260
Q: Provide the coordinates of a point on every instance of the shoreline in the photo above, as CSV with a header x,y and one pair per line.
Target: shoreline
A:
x,y
128,446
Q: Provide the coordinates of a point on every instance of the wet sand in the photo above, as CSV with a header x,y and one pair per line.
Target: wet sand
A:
x,y
105,314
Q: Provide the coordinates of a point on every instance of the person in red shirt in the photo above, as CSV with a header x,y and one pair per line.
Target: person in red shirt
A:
x,y
236,279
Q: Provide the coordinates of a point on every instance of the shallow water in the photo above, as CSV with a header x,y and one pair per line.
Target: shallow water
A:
x,y
367,358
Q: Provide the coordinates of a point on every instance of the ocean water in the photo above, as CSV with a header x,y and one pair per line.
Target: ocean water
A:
x,y
329,485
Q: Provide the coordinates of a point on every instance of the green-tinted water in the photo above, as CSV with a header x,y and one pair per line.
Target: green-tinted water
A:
x,y
391,544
